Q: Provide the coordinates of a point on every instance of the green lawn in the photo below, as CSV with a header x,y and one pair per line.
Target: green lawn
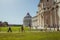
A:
x,y
18,29
27,35
30,36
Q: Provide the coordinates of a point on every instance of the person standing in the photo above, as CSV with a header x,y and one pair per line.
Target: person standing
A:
x,y
22,28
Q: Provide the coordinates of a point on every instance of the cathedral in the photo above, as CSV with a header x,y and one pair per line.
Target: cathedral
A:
x,y
47,15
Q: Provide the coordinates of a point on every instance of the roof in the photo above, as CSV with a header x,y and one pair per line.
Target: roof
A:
x,y
28,16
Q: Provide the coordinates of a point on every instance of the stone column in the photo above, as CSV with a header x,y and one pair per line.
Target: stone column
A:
x,y
51,21
57,19
43,20
45,23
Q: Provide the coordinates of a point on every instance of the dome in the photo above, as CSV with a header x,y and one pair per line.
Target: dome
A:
x,y
27,16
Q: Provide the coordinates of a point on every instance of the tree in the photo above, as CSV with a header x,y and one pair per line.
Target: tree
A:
x,y
5,24
1,24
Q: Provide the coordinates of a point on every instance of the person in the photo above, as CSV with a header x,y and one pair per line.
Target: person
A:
x,y
22,28
9,30
30,27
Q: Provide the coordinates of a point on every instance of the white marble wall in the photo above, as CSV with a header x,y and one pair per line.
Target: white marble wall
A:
x,y
59,11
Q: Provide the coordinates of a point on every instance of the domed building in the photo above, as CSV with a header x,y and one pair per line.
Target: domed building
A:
x,y
27,21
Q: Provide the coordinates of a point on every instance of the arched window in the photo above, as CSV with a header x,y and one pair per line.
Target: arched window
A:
x,y
47,0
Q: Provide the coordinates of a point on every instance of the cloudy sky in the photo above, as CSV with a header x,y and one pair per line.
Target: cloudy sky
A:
x,y
13,11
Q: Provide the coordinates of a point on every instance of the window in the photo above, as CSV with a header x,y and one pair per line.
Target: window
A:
x,y
44,8
53,8
54,3
47,0
47,8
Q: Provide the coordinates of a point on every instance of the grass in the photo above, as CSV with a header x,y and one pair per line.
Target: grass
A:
x,y
5,29
27,35
30,36
18,29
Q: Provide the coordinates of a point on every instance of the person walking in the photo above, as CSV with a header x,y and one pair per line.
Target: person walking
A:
x,y
9,30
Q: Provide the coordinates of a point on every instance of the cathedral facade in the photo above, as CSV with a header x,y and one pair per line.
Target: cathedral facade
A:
x,y
47,15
